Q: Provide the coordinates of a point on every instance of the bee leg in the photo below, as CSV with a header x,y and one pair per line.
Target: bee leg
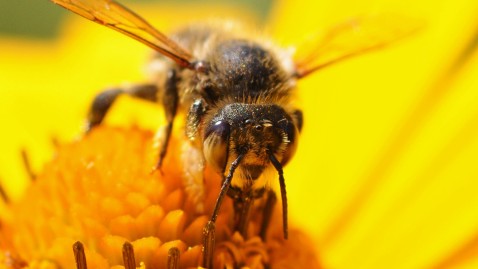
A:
x,y
103,101
170,103
193,158
244,209
267,213
195,114
243,202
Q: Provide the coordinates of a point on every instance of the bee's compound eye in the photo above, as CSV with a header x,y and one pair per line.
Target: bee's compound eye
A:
x,y
216,141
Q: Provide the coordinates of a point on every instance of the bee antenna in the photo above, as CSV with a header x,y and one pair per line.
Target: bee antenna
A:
x,y
283,193
225,186
209,230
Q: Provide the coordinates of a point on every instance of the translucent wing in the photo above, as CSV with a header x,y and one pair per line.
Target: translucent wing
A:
x,y
113,15
351,38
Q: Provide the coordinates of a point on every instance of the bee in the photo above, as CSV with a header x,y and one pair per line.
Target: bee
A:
x,y
236,91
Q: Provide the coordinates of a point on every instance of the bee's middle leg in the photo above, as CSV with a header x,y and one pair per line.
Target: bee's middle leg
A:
x,y
168,94
104,100
270,202
243,202
169,100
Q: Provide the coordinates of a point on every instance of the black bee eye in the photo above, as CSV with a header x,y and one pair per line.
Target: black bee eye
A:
x,y
216,141
291,133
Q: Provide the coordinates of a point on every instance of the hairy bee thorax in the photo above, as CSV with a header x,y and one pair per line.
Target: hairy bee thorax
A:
x,y
244,68
233,67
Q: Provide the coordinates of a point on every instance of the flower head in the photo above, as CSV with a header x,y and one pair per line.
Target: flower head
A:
x,y
100,191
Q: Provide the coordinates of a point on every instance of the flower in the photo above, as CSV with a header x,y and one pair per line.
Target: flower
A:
x,y
384,175
100,191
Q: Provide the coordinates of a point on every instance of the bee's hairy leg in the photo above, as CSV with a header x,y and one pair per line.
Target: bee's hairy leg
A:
x,y
243,202
193,175
271,201
192,155
244,211
195,115
104,100
169,100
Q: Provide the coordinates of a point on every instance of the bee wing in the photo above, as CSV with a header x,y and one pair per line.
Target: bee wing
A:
x,y
351,38
118,17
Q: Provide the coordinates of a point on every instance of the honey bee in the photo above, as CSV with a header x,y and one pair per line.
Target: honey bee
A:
x,y
236,91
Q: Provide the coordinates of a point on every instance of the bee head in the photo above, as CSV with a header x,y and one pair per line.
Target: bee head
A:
x,y
255,132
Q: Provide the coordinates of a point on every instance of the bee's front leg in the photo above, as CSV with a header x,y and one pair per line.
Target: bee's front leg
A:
x,y
104,100
169,98
243,202
195,116
192,156
271,201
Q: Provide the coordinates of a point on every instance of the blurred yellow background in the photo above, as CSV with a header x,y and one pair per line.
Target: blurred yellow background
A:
x,y
385,175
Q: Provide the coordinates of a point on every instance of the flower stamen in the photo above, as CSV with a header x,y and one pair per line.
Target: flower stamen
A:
x,y
128,256
173,258
80,257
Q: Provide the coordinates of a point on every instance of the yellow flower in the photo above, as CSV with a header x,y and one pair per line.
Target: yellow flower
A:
x,y
100,191
384,176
